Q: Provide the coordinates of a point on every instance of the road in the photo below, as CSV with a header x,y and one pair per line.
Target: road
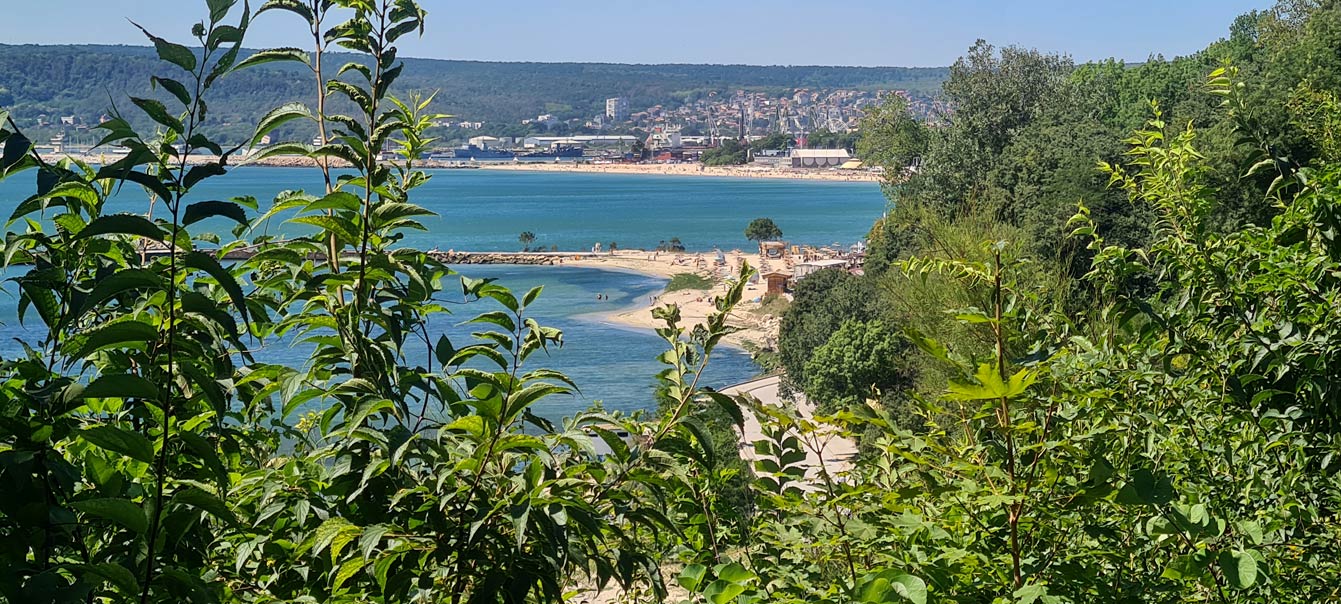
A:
x,y
835,453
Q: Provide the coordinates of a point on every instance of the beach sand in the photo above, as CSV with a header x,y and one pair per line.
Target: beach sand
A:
x,y
757,330
687,169
750,171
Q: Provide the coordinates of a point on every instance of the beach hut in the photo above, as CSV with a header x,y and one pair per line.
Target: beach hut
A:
x,y
777,282
773,249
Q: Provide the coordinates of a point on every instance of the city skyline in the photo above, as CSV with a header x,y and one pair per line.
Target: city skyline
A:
x,y
780,32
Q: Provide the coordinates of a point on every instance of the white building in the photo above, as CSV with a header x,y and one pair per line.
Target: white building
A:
x,y
484,142
805,269
617,109
819,158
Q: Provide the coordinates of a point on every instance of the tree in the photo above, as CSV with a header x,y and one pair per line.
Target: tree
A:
x,y
774,142
821,303
526,238
730,153
763,229
891,137
863,360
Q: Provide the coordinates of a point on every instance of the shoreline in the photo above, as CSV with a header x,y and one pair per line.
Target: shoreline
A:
x,y
756,331
699,170
645,169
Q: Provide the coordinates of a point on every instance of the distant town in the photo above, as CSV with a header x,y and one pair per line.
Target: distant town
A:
x,y
803,129
805,119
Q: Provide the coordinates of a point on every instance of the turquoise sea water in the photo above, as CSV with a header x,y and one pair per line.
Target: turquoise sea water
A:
x,y
484,210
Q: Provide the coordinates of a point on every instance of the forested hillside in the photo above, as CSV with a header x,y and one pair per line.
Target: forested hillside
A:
x,y
84,80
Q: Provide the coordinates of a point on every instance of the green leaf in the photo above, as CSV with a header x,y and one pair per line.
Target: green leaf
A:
x,y
199,499
109,336
123,386
991,386
327,533
721,592
1250,529
532,295
1240,568
201,210
203,171
121,224
272,56
219,9
131,444
891,586
207,263
278,117
120,511
116,284
16,148
117,575
347,570
691,578
1188,567
157,112
176,54
734,573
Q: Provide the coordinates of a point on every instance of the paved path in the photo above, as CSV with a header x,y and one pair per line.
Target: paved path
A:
x,y
838,452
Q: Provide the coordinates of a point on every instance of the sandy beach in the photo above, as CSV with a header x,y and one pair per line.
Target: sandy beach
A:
x,y
688,169
757,330
750,171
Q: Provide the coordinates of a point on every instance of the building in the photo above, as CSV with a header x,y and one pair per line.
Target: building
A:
x,y
776,282
805,269
485,142
665,138
585,140
617,109
820,158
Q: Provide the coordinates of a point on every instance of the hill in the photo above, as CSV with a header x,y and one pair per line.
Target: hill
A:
x,y
84,81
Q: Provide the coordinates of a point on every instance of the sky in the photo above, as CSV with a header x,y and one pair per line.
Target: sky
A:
x,y
919,33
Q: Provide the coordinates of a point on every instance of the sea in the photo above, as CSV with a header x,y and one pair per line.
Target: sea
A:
x,y
483,210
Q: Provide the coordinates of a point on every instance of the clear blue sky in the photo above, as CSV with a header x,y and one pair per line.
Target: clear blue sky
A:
x,y
768,32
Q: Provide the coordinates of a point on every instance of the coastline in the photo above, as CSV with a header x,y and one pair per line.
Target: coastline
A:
x,y
648,169
756,330
699,170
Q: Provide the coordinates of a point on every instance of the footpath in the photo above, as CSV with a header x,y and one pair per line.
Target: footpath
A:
x,y
835,452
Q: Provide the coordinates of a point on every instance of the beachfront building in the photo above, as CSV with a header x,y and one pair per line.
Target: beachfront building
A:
x,y
805,269
776,282
820,158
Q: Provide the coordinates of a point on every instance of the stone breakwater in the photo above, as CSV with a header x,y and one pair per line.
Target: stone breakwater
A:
x,y
451,257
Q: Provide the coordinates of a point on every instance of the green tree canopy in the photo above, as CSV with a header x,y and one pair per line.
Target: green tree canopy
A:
x,y
822,302
890,136
863,360
763,229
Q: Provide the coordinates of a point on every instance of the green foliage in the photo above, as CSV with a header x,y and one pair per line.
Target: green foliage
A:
x,y
729,152
763,229
773,142
526,238
891,137
862,361
826,139
683,281
821,302
148,456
